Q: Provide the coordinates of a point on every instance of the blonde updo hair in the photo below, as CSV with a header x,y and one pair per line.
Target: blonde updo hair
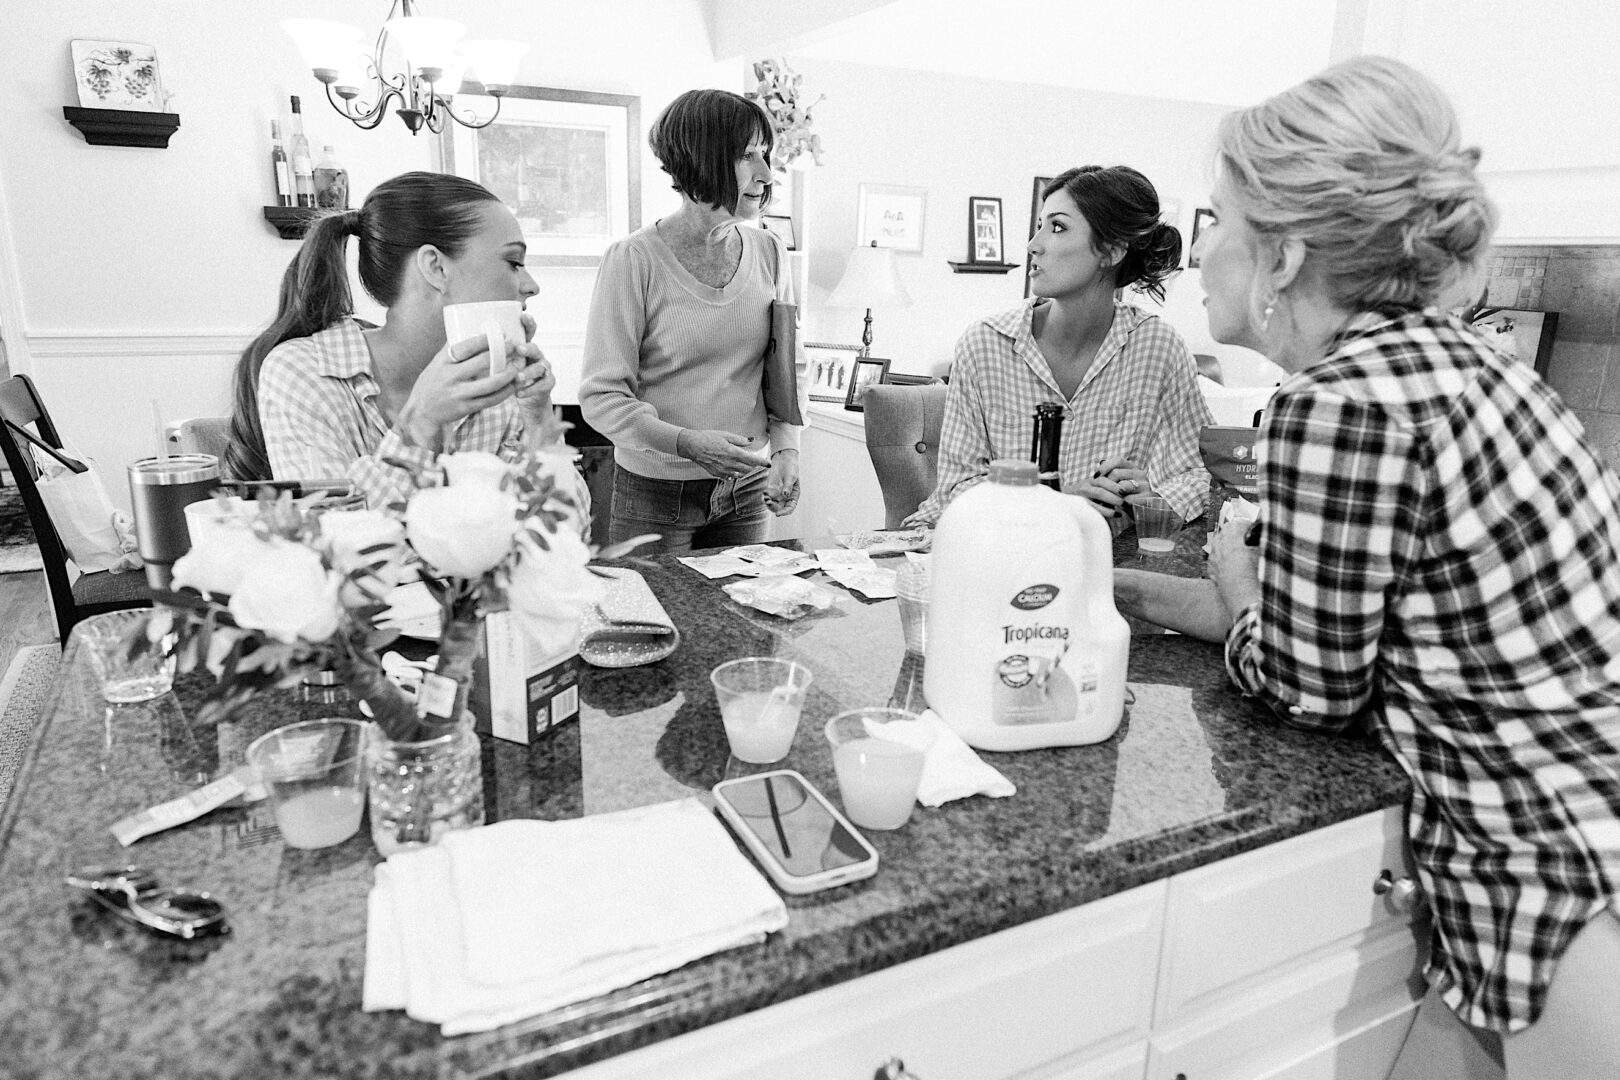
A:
x,y
1364,163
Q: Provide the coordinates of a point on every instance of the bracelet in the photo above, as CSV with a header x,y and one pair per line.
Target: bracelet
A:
x,y
785,450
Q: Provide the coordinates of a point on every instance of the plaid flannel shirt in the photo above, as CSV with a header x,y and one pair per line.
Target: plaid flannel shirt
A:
x,y
318,405
1438,559
1138,398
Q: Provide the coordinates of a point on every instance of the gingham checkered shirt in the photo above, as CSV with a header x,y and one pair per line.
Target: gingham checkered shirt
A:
x,y
1138,398
1438,560
318,405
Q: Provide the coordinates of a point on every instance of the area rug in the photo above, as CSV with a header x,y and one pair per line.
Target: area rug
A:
x,y
18,551
22,694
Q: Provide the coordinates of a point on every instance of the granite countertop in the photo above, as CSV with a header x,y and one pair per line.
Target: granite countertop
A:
x,y
1195,774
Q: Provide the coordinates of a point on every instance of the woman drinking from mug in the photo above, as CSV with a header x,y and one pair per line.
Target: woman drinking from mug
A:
x,y
1437,556
322,394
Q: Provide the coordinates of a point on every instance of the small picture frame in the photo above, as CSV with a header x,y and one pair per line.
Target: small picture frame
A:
x,y
827,370
117,75
984,230
1201,218
869,372
897,378
780,226
891,217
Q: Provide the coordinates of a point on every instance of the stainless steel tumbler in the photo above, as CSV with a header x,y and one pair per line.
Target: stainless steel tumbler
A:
x,y
160,489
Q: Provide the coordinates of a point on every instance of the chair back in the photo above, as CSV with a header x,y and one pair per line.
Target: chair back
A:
x,y
205,435
902,439
20,404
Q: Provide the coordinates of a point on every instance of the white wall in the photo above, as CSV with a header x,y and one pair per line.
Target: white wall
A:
x,y
958,136
138,274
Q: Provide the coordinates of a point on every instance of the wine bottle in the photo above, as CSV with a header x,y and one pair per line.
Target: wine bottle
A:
x,y
331,182
303,171
278,165
1043,448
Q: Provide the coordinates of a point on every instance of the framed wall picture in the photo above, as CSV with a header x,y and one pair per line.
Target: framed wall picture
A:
x,y
782,227
1525,334
1034,218
828,368
567,163
891,217
869,372
1201,218
117,75
984,230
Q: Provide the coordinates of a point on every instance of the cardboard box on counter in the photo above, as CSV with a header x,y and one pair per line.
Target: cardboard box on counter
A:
x,y
520,691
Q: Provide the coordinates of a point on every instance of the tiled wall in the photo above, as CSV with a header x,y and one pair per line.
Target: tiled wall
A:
x,y
1582,284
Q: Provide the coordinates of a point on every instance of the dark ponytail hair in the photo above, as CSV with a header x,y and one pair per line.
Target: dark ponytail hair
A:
x,y
1122,208
399,217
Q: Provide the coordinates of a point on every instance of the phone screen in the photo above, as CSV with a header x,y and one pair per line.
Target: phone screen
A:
x,y
792,826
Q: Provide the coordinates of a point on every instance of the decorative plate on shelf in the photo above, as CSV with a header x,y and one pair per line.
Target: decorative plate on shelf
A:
x,y
117,75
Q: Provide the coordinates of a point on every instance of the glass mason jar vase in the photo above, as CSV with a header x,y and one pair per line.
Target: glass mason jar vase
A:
x,y
418,791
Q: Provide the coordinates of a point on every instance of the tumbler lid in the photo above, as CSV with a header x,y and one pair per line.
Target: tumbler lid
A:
x,y
175,469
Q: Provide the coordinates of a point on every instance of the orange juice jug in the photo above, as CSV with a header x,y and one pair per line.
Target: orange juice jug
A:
x,y
1025,646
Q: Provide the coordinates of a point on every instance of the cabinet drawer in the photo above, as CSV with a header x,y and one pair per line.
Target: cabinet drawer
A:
x,y
1233,922
1340,1017
1076,983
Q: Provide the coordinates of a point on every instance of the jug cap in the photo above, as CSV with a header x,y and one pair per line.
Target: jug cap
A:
x,y
1014,473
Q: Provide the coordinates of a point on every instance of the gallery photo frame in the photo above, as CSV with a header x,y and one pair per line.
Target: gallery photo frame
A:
x,y
781,226
985,243
891,217
828,368
566,162
1201,219
1038,186
869,371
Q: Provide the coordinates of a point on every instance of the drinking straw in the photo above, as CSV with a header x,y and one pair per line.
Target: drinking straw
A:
x,y
162,437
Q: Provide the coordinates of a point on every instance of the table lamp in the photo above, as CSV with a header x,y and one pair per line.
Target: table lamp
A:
x,y
869,281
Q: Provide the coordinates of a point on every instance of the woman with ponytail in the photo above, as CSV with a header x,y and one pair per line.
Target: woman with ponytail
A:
x,y
323,394
1125,379
1437,558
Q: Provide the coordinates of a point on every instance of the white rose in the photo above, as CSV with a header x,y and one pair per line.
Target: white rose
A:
x,y
289,595
218,561
474,468
461,532
551,589
349,532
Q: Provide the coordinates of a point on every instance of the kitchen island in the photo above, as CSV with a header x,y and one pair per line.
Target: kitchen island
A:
x,y
1129,846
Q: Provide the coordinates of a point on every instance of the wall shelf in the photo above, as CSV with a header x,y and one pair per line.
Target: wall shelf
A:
x,y
980,268
292,221
123,127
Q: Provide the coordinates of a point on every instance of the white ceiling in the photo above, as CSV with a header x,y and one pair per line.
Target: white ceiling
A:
x,y
1228,52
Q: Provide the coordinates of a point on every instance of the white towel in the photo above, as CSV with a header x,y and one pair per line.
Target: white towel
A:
x,y
951,770
515,919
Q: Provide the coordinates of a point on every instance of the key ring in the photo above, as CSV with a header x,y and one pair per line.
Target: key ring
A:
x,y
133,893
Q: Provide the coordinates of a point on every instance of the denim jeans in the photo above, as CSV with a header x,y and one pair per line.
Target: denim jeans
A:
x,y
689,514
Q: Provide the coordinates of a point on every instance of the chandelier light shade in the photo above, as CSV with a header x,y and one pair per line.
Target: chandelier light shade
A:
x,y
417,60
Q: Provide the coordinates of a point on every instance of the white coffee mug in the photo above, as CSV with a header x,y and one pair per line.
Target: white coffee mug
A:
x,y
499,322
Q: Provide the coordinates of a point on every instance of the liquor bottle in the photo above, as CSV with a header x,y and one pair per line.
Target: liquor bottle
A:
x,y
1043,447
278,164
331,182
303,171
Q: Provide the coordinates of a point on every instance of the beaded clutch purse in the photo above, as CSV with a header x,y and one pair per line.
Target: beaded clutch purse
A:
x,y
629,626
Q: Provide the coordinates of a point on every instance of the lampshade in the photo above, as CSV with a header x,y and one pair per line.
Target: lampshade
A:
x,y
427,42
869,281
494,62
325,45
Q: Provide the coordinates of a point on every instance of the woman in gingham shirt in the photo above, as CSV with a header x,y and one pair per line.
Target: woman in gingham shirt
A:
x,y
1127,383
1436,553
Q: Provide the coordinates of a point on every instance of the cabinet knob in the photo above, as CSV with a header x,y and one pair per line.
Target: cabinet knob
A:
x,y
893,1069
1401,893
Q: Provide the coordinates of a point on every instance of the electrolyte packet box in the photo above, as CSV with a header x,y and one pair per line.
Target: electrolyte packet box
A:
x,y
520,690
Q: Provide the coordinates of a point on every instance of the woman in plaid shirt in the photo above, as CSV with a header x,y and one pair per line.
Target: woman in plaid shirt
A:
x,y
1436,554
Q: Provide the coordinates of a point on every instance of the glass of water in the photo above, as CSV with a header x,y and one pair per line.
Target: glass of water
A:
x,y
132,652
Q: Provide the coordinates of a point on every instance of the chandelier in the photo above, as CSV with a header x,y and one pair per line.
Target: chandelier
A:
x,y
430,61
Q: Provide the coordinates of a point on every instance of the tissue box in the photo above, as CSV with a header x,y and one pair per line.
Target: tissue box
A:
x,y
520,691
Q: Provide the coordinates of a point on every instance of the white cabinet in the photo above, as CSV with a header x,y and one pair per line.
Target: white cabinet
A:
x,y
838,489
1278,964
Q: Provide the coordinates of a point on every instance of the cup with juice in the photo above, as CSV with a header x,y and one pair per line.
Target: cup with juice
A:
x,y
878,754
760,698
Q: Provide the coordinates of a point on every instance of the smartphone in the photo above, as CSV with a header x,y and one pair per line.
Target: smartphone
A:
x,y
790,828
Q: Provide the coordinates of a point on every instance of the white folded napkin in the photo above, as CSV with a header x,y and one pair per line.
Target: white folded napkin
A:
x,y
951,770
515,919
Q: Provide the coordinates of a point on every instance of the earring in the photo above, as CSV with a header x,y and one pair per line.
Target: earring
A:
x,y
1265,315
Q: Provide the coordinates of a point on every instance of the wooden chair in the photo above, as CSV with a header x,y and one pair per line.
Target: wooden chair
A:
x,y
26,420
902,439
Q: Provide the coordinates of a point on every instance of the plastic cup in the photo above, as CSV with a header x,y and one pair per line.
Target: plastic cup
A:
x,y
1157,522
911,590
878,754
760,698
132,653
311,771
